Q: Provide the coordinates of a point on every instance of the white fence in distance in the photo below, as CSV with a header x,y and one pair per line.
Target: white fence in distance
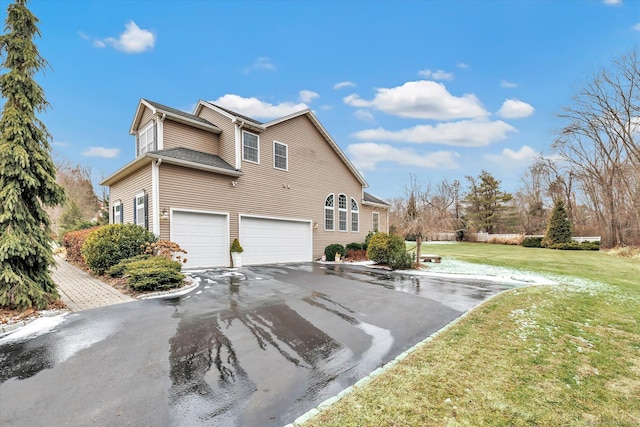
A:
x,y
485,237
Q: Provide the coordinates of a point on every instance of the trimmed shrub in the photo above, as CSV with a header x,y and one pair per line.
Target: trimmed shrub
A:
x,y
155,273
111,244
400,260
382,246
73,241
367,240
120,269
575,246
331,250
355,246
532,242
235,246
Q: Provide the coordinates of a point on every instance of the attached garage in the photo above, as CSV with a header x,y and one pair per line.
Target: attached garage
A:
x,y
204,235
275,240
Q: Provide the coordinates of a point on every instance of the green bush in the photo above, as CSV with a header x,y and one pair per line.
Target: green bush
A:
x,y
110,244
383,247
120,269
532,242
235,246
355,246
575,246
331,250
400,260
367,240
155,273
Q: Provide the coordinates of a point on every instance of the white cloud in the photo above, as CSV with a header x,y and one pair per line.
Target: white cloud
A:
x,y
462,65
253,107
422,99
364,115
262,63
342,85
636,27
308,95
465,133
612,2
326,107
508,84
133,40
515,109
366,155
511,158
436,75
102,152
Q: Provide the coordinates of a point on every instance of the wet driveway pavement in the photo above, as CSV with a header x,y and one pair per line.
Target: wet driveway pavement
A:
x,y
254,348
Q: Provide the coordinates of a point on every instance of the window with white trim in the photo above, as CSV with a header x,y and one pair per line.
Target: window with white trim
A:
x,y
342,212
376,222
140,210
355,216
328,213
280,156
117,212
147,139
250,147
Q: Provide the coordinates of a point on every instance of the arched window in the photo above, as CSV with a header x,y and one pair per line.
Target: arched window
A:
x,y
328,213
342,212
355,216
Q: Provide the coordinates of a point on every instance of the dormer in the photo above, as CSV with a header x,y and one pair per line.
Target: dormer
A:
x,y
153,133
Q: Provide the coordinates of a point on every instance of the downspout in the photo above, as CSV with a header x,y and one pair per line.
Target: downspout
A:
x,y
155,195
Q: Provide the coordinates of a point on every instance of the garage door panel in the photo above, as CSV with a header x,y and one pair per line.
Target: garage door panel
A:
x,y
203,236
270,241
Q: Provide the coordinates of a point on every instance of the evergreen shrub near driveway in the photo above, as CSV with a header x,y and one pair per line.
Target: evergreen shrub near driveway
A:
x,y
73,241
112,243
331,250
155,273
389,249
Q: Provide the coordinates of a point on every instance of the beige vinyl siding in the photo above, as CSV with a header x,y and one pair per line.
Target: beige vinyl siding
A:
x,y
315,171
227,144
181,135
147,115
126,189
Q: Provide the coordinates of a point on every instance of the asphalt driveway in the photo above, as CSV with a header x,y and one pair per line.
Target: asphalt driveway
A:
x,y
254,348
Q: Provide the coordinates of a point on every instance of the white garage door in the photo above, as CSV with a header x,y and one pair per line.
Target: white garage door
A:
x,y
204,236
270,241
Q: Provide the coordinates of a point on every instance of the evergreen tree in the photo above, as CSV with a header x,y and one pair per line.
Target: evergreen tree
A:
x,y
559,226
27,172
486,204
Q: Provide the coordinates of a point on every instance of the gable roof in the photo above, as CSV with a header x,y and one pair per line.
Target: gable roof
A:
x,y
177,156
263,126
373,200
173,114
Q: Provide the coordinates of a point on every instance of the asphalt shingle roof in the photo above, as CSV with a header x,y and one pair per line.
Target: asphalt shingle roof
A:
x,y
179,113
373,199
194,156
233,113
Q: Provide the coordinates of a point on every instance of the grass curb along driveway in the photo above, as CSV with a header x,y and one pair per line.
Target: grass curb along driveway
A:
x,y
565,354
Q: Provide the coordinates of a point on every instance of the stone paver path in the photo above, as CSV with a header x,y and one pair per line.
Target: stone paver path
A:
x,y
80,291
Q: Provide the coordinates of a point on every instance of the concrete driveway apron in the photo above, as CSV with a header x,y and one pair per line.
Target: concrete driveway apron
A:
x,y
257,347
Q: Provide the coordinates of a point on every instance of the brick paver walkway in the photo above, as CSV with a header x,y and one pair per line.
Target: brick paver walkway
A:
x,y
79,290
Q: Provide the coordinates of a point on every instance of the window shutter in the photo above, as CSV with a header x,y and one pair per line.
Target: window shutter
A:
x,y
135,213
113,215
146,211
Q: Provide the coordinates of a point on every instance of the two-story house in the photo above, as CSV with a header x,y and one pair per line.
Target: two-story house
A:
x,y
284,187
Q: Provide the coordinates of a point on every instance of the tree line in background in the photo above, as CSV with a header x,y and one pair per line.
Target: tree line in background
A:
x,y
593,168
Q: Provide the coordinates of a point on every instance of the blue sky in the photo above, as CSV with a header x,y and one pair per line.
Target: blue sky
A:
x,y
440,89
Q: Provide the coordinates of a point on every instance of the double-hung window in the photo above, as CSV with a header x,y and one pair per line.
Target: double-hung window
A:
x,y
140,209
147,139
376,222
250,147
328,213
355,216
117,213
342,212
280,156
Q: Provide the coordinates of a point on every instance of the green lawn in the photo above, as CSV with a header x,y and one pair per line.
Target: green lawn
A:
x,y
567,354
